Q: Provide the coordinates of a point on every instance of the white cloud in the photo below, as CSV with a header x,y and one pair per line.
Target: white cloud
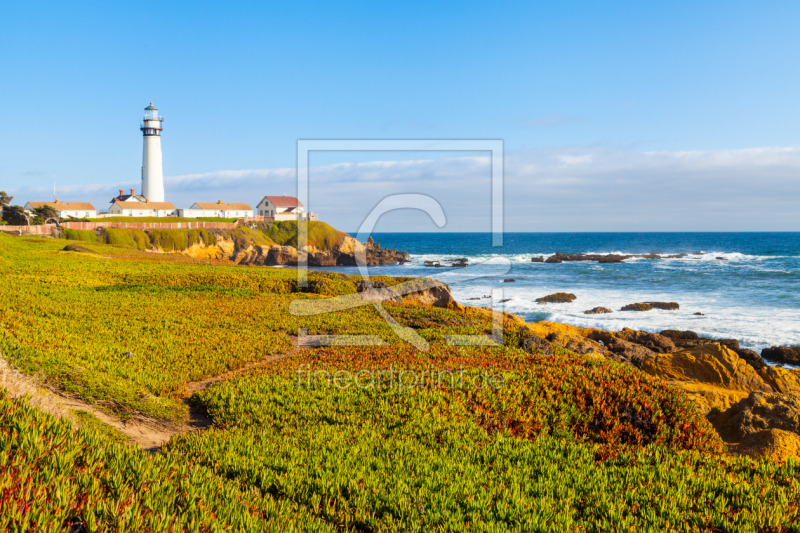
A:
x,y
594,188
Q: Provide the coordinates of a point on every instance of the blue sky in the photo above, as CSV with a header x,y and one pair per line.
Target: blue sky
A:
x,y
240,83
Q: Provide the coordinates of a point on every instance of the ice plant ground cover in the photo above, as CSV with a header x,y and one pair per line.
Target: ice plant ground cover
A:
x,y
565,443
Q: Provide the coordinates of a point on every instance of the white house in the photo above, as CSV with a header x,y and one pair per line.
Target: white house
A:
x,y
66,209
283,208
142,209
132,197
219,209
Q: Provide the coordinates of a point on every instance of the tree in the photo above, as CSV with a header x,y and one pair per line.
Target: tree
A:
x,y
42,214
5,199
15,216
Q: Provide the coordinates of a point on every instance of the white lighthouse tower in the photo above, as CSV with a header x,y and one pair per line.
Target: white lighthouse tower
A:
x,y
152,175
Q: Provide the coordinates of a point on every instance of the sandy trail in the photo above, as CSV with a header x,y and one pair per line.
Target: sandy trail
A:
x,y
149,433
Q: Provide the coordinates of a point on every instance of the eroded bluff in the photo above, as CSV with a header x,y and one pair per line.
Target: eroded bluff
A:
x,y
349,253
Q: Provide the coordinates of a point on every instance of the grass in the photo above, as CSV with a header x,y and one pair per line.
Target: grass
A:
x,y
72,317
53,476
567,443
91,422
320,234
433,458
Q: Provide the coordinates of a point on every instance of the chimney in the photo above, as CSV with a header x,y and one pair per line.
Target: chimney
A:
x,y
147,200
121,192
219,202
132,192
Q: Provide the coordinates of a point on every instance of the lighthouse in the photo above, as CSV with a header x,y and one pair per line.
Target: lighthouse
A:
x,y
152,176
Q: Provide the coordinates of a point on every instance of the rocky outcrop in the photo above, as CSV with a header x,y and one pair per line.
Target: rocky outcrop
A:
x,y
534,344
559,257
783,380
557,298
448,263
648,306
433,293
637,307
667,306
653,341
751,356
598,311
782,354
421,291
348,253
537,259
572,338
76,248
718,376
772,444
352,253
713,364
677,335
619,348
690,339
760,423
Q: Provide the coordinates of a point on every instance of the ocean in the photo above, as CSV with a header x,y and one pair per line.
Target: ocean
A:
x,y
752,294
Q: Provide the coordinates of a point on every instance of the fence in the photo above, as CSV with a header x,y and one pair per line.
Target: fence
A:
x,y
48,228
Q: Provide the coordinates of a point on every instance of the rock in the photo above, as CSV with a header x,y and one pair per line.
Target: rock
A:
x,y
77,248
708,398
782,354
577,344
380,295
320,258
623,350
653,341
757,412
559,257
537,259
762,426
535,344
557,298
751,356
668,306
781,379
504,300
572,338
281,255
435,294
720,259
509,280
772,444
365,285
675,334
637,307
597,311
713,364
698,314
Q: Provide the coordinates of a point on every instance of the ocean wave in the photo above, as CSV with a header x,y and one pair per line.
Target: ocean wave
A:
x,y
731,257
754,327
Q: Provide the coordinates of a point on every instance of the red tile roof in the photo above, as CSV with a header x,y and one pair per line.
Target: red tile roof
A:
x,y
284,201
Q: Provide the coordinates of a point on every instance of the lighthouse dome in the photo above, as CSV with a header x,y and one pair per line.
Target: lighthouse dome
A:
x,y
151,107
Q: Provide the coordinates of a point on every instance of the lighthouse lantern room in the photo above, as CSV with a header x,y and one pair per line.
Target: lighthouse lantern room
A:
x,y
152,175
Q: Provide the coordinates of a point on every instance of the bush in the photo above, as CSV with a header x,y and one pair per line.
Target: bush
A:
x,y
81,235
129,238
320,234
172,240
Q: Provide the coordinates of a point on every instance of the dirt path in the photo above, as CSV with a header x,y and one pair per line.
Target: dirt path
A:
x,y
149,433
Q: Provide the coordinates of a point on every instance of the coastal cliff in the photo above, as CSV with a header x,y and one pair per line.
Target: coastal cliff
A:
x,y
262,244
